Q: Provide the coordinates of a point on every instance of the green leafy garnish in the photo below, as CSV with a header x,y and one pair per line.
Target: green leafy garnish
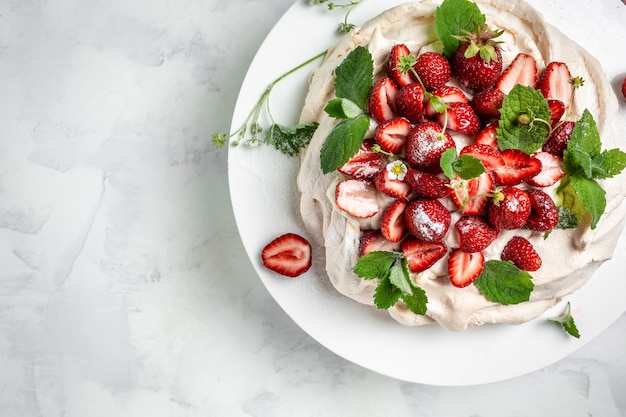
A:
x,y
345,26
566,320
504,283
452,19
465,166
290,139
355,76
394,282
584,163
343,142
343,108
523,120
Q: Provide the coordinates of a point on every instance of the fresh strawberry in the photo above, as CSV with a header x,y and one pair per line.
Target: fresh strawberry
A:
x,y
391,134
518,167
410,102
433,69
474,72
422,255
510,209
475,234
487,103
382,100
522,70
393,187
425,144
473,195
465,267
551,170
555,83
427,185
288,254
366,163
558,139
522,253
461,118
488,155
624,87
357,197
557,110
392,221
428,220
400,78
448,94
373,240
487,136
544,215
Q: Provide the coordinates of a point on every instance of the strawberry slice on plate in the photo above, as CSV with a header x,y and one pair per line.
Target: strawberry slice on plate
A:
x,y
422,255
288,254
518,167
465,267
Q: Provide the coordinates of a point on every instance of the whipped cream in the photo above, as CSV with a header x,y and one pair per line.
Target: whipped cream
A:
x,y
569,256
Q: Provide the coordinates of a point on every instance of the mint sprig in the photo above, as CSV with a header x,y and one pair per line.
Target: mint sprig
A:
x,y
503,282
566,320
465,166
394,282
452,19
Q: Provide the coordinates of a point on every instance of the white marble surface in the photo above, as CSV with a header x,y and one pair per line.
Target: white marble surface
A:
x,y
124,287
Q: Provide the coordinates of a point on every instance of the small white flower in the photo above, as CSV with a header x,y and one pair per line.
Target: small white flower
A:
x,y
397,170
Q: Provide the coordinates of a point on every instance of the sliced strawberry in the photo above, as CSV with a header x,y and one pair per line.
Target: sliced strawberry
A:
x,y
487,136
475,234
397,52
357,197
391,134
557,110
373,240
488,155
427,185
465,267
544,215
461,118
288,254
555,83
422,255
522,70
410,102
558,139
382,100
472,196
433,69
510,210
425,144
391,186
392,224
366,163
448,94
551,170
428,220
522,253
487,104
518,167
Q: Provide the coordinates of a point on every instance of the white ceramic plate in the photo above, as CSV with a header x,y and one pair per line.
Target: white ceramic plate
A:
x,y
265,204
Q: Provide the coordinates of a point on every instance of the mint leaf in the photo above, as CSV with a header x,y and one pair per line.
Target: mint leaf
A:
x,y
343,108
523,120
386,294
577,162
465,166
585,136
502,282
446,161
591,195
375,264
566,320
343,142
290,139
608,163
354,77
452,18
417,302
399,277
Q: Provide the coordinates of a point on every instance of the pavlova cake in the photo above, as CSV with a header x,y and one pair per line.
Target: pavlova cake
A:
x,y
465,169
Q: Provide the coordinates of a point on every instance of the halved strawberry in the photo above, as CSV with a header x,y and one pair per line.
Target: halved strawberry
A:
x,y
448,94
461,118
509,210
357,197
557,110
373,240
559,138
382,100
518,167
522,253
397,52
488,155
428,220
472,196
465,267
522,70
366,163
487,103
487,136
433,69
425,144
427,185
551,170
555,83
391,134
475,234
410,102
544,215
422,255
392,224
391,186
288,254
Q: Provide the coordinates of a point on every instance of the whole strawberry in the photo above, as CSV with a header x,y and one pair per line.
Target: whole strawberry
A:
x,y
425,144
433,69
477,63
